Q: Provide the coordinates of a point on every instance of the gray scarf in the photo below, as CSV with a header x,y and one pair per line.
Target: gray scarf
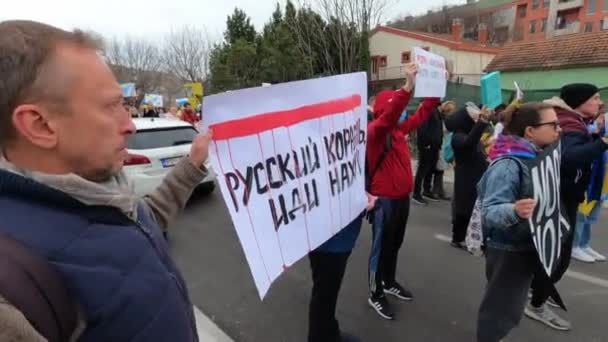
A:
x,y
116,192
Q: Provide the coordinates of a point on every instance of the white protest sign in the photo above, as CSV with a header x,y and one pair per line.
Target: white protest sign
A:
x,y
154,100
431,80
290,161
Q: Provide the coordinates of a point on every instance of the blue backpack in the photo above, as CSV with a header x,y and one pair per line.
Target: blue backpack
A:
x,y
446,150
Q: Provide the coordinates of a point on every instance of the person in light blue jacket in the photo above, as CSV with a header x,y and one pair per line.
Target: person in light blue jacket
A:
x,y
505,192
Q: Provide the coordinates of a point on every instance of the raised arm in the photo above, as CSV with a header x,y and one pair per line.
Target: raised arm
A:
x,y
423,113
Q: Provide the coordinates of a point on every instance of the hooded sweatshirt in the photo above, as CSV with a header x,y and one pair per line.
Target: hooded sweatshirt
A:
x,y
393,179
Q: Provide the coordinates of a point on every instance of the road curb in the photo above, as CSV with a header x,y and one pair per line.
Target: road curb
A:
x,y
208,331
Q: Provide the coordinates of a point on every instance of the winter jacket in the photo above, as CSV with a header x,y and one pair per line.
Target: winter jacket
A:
x,y
430,134
115,264
393,179
469,157
579,149
190,116
504,183
345,240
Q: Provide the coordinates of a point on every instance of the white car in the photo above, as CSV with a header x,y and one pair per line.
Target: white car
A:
x,y
155,148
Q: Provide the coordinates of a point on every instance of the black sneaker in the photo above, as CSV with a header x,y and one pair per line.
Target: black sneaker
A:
x,y
380,304
419,200
459,245
431,196
398,291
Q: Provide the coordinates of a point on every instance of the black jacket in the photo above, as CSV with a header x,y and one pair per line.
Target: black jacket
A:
x,y
469,157
579,150
430,133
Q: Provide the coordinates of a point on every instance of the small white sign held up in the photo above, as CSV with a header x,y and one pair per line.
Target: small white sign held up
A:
x,y
431,80
290,160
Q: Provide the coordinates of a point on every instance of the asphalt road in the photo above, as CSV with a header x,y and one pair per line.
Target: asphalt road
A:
x,y
447,285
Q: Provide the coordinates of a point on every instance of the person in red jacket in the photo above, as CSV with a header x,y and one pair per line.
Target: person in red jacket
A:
x,y
390,178
189,115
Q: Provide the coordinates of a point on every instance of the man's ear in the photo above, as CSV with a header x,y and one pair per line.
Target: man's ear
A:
x,y
32,123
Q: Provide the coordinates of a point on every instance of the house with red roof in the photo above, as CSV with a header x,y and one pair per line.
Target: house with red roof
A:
x,y
551,63
390,50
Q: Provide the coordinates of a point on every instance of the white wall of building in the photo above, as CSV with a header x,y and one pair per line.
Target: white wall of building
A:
x,y
468,65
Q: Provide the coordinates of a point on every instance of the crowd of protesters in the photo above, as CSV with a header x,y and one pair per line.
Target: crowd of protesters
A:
x,y
55,175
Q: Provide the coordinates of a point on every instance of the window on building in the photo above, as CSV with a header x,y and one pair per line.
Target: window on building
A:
x,y
535,4
383,61
588,27
406,57
521,11
591,6
603,25
546,3
605,7
533,26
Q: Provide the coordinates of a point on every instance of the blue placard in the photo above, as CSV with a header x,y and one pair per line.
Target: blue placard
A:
x,y
128,89
491,90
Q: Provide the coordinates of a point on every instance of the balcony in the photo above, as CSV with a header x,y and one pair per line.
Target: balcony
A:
x,y
569,4
569,28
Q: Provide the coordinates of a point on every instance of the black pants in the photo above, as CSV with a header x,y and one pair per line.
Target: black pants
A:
x,y
509,277
541,293
388,233
327,273
459,226
427,163
438,183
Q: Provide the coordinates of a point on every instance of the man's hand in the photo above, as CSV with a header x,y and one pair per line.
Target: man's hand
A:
x,y
371,201
524,208
200,148
410,77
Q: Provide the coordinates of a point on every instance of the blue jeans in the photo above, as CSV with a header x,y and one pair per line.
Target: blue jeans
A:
x,y
582,233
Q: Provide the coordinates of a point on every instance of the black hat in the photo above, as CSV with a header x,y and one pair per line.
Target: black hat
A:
x,y
578,93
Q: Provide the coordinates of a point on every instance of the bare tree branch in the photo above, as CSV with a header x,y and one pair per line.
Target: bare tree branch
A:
x,y
135,60
186,53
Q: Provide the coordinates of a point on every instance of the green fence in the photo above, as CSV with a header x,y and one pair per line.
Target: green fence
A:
x,y
463,93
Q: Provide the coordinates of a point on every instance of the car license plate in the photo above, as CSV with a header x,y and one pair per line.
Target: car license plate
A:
x,y
170,162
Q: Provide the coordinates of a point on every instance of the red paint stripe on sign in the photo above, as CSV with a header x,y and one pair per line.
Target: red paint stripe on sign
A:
x,y
268,121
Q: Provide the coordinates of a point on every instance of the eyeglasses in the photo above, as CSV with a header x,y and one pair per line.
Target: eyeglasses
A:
x,y
555,124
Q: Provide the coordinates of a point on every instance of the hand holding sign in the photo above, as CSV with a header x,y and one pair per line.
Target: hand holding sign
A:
x,y
524,208
410,77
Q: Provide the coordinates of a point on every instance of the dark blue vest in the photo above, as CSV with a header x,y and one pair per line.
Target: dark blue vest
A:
x,y
118,270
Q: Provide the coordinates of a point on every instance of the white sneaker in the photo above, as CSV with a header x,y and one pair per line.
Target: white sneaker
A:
x,y
597,256
580,255
548,317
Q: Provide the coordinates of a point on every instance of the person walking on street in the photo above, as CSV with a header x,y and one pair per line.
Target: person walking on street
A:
x,y
429,138
467,125
65,197
388,160
577,106
506,196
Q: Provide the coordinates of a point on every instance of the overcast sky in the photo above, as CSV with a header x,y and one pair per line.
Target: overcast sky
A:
x,y
152,18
